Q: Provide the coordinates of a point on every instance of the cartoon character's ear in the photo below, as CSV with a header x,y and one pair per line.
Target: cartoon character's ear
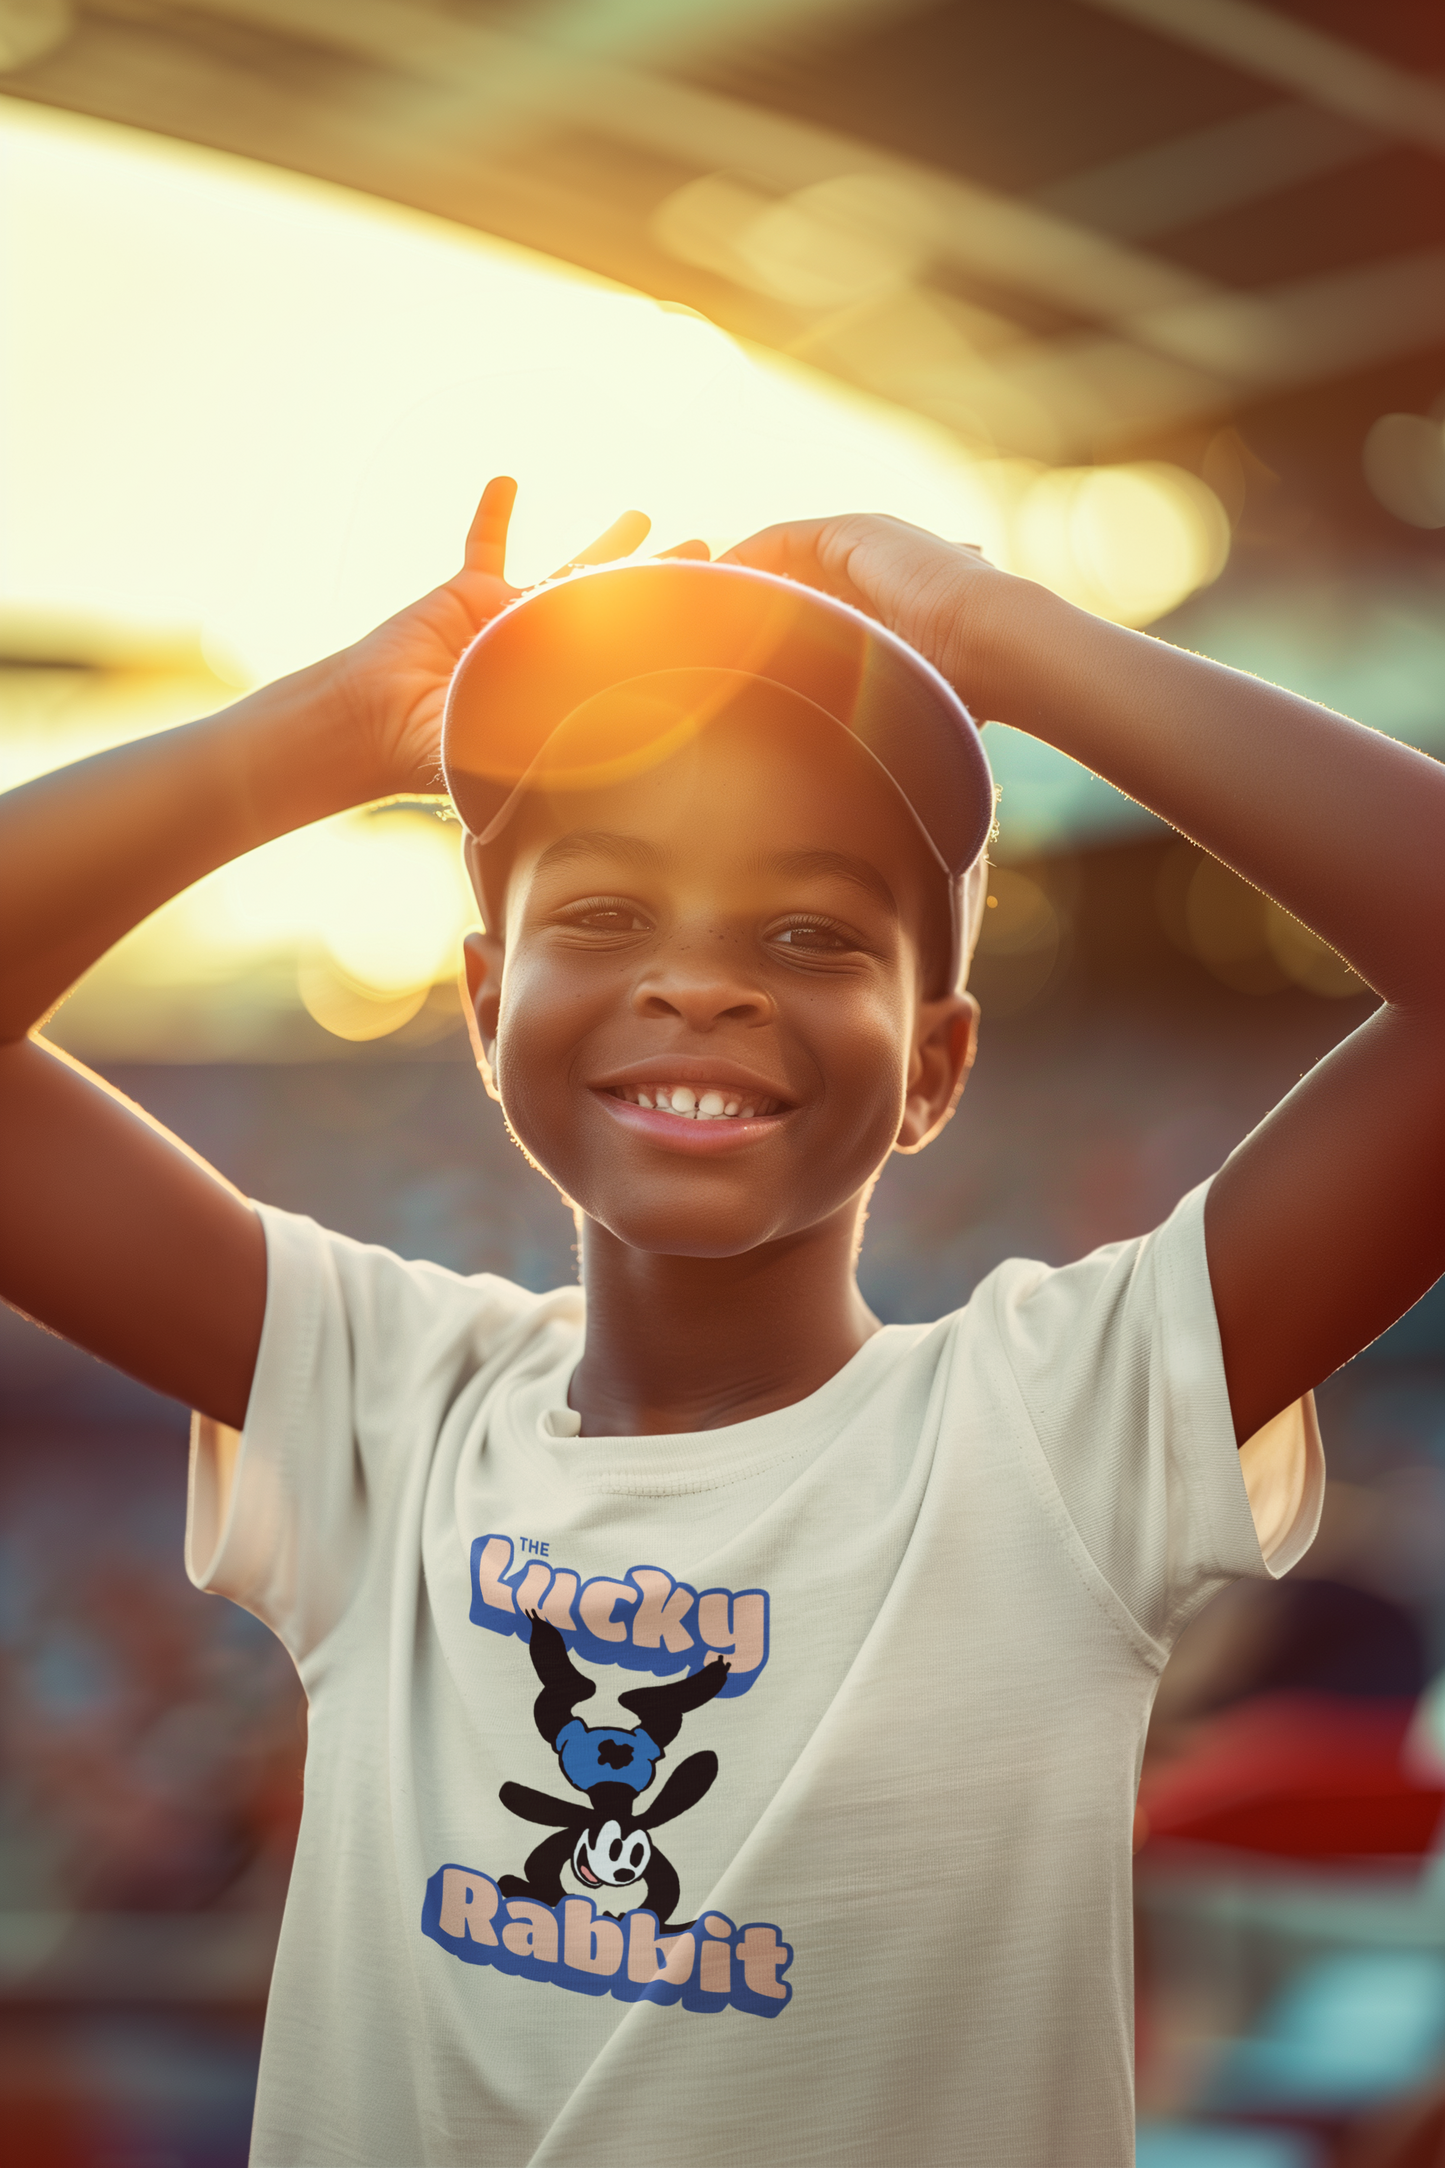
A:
x,y
661,1709
683,1789
537,1807
563,1685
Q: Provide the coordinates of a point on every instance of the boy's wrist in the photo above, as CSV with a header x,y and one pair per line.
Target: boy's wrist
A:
x,y
998,627
306,750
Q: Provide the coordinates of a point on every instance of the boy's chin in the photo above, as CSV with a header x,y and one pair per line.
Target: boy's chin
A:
x,y
685,1232
705,1211
689,1219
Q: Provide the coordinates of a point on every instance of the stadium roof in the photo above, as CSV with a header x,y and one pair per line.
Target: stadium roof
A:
x,y
1066,228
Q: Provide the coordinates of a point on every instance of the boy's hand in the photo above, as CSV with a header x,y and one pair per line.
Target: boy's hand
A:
x,y
395,680
934,594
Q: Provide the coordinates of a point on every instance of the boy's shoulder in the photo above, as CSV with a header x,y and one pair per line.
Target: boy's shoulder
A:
x,y
401,1302
1035,1303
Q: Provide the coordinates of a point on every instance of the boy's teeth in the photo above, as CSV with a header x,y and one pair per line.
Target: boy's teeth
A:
x,y
711,1105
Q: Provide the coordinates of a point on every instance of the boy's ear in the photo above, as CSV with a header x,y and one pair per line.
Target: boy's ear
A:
x,y
482,955
945,1042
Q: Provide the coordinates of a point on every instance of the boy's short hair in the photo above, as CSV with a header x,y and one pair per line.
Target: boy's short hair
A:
x,y
592,678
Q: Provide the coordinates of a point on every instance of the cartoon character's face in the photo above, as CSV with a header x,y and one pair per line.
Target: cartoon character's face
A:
x,y
604,1855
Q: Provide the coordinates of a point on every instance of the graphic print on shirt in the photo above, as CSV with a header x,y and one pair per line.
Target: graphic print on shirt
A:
x,y
525,1923
647,1621
607,1842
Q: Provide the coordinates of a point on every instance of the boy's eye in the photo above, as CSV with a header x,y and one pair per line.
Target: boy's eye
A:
x,y
607,914
815,937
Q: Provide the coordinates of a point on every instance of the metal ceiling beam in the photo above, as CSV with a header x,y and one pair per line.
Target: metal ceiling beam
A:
x,y
1342,78
1210,170
505,88
1204,344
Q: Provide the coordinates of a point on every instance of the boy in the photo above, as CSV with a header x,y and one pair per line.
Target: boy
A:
x,y
725,1720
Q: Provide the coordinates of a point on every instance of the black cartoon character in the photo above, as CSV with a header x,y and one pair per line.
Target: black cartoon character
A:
x,y
608,1844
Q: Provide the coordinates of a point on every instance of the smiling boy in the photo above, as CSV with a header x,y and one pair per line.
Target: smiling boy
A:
x,y
725,1713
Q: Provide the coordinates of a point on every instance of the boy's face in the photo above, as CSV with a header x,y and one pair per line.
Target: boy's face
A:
x,y
743,921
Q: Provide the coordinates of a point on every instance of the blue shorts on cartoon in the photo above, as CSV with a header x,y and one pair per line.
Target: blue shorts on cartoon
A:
x,y
645,1621
711,1965
600,1755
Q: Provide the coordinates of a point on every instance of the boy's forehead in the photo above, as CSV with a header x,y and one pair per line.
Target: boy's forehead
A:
x,y
759,789
741,819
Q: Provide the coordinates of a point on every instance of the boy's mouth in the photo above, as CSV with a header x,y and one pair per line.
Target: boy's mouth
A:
x,y
697,1103
693,1104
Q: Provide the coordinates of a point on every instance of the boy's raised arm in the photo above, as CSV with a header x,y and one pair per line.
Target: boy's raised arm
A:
x,y
113,1232
1329,1220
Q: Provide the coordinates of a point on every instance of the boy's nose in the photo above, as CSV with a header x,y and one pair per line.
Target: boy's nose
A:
x,y
702,990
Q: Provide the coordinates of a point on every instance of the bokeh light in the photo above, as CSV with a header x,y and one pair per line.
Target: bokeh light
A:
x,y
1127,542
383,895
1307,960
827,246
391,902
1018,942
1246,940
349,1011
1404,460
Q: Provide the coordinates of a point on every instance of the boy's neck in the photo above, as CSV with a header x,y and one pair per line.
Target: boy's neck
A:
x,y
695,1343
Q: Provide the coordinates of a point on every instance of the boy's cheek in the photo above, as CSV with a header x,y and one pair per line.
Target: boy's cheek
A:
x,y
540,1110
547,1017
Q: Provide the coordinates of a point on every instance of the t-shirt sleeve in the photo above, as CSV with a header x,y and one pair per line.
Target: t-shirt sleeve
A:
x,y
361,1355
1119,1364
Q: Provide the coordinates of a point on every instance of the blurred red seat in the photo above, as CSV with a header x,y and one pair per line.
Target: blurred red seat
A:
x,y
1300,1775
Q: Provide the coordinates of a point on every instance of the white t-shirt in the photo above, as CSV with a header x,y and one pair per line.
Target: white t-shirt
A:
x,y
884,1914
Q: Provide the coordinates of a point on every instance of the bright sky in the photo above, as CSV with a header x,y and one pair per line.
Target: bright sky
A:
x,y
246,407
265,407
262,406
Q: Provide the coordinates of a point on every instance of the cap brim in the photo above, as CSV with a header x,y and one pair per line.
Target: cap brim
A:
x,y
559,647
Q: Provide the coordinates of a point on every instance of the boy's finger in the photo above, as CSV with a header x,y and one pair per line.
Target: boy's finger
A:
x,y
688,549
620,540
486,549
778,549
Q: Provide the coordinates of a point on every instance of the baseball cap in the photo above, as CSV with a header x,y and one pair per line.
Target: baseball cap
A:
x,y
601,674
